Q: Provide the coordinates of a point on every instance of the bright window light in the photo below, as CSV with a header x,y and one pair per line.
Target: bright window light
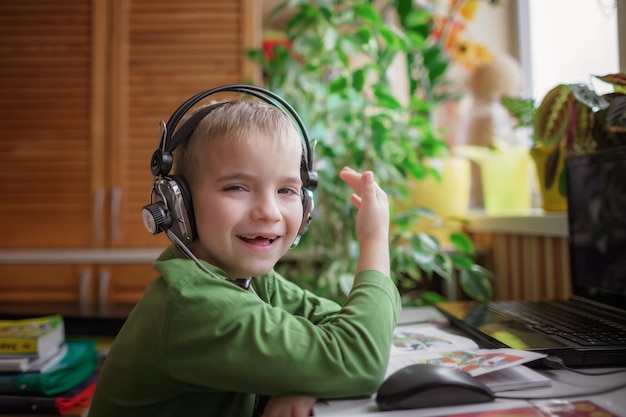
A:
x,y
567,41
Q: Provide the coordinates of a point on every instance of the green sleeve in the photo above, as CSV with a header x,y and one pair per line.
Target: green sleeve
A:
x,y
278,291
220,337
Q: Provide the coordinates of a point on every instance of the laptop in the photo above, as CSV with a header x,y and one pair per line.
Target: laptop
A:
x,y
589,327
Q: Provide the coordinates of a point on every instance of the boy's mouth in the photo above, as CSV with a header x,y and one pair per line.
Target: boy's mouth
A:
x,y
258,239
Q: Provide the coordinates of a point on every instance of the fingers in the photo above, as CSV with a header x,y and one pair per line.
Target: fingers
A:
x,y
356,200
354,179
368,186
363,184
351,177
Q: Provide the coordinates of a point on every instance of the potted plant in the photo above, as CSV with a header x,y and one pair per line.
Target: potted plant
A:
x,y
571,119
335,69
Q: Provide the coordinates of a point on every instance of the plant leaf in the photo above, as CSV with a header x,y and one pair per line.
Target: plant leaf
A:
x,y
552,165
553,114
462,261
338,85
432,298
462,242
475,284
358,79
386,100
367,13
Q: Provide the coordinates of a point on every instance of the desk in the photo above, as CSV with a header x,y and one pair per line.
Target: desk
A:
x,y
564,383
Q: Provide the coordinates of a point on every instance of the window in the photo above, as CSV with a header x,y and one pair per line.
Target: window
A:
x,y
567,41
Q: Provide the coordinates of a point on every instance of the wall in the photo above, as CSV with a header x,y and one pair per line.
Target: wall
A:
x,y
496,27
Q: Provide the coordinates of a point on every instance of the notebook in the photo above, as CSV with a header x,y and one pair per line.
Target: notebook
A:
x,y
588,328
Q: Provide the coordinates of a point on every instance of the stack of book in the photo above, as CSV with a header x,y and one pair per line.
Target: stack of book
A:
x,y
42,372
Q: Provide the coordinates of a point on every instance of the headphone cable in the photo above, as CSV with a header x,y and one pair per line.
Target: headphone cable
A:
x,y
242,283
554,362
557,396
189,254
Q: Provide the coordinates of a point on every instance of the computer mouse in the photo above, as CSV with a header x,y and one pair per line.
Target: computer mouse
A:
x,y
425,385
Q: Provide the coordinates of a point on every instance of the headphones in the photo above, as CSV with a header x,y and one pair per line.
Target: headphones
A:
x,y
171,208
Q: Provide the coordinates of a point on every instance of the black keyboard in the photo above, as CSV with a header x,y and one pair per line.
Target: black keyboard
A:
x,y
555,318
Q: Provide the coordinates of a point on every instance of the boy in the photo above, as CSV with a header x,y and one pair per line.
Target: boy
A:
x,y
199,346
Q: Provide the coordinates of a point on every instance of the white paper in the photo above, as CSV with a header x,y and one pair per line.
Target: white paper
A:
x,y
428,344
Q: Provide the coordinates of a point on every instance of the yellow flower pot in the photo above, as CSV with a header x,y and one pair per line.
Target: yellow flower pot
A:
x,y
505,178
552,199
448,197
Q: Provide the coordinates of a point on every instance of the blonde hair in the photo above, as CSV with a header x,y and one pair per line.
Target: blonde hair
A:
x,y
238,120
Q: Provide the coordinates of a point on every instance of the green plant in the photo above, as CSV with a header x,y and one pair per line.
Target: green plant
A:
x,y
521,109
337,73
574,119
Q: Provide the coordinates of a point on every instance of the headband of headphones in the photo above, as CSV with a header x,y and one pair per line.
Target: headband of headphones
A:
x,y
171,138
171,207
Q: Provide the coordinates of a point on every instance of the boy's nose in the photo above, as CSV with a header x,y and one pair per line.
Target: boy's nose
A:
x,y
266,208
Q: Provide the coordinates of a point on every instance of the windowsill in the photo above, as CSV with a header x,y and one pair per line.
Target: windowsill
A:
x,y
535,223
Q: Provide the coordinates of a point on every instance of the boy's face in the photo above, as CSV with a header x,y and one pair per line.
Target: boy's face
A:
x,y
247,204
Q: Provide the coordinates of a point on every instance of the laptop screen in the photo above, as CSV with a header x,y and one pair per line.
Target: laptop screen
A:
x,y
596,196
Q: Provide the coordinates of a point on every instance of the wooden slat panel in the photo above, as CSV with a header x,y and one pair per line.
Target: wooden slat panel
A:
x,y
174,50
45,52
527,267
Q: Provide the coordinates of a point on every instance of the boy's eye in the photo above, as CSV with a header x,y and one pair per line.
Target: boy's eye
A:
x,y
233,188
289,190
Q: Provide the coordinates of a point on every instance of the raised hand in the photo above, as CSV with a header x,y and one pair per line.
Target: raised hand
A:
x,y
372,220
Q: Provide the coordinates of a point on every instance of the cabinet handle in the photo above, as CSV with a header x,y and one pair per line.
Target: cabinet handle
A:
x,y
98,205
104,280
83,287
116,202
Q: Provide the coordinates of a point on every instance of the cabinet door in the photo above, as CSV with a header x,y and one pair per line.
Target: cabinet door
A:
x,y
163,53
122,284
84,84
47,283
86,284
46,162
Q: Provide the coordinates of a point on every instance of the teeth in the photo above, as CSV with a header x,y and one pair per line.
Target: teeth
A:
x,y
251,237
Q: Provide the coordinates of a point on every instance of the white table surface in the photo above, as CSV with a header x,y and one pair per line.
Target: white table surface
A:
x,y
566,386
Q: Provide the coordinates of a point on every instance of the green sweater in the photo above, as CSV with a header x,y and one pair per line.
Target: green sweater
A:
x,y
199,346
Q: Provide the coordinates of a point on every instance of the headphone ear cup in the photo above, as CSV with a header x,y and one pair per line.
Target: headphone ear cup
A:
x,y
183,222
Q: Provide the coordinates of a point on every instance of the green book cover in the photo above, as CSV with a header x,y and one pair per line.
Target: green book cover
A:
x,y
80,360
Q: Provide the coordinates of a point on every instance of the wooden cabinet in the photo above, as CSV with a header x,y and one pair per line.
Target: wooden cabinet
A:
x,y
84,84
87,277
122,283
46,283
